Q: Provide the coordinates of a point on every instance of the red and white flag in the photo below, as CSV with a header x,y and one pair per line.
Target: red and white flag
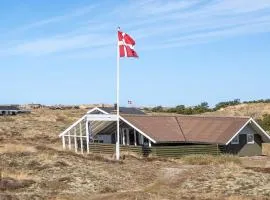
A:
x,y
126,45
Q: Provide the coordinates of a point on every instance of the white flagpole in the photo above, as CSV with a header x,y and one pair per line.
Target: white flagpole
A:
x,y
117,149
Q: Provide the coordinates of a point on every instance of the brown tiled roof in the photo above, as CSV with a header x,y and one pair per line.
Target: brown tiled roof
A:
x,y
190,129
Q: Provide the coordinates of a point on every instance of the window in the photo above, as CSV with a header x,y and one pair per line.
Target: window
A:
x,y
250,138
235,140
98,141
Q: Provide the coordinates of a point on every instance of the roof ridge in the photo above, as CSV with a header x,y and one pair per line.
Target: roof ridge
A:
x,y
195,116
181,130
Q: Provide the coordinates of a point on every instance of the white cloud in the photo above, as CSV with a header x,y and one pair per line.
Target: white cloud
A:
x,y
206,37
60,44
159,23
241,6
56,19
161,7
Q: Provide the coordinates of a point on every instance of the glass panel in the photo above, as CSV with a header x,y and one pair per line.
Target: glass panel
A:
x,y
250,138
235,140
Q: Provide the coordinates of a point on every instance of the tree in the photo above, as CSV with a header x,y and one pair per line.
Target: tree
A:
x,y
226,104
157,109
180,109
201,108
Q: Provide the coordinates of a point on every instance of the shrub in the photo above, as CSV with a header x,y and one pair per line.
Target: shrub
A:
x,y
181,109
204,107
158,109
226,104
265,122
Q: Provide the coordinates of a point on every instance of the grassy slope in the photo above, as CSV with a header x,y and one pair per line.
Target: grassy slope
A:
x,y
34,166
255,110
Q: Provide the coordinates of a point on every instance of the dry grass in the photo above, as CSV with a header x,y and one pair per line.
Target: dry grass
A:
x,y
42,124
12,148
266,149
18,175
8,118
210,160
47,157
14,180
255,110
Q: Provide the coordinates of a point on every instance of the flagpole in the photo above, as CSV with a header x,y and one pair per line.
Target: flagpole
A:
x,y
117,149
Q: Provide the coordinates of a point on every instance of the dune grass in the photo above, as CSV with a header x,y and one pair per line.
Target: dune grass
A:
x,y
18,175
12,148
210,159
266,149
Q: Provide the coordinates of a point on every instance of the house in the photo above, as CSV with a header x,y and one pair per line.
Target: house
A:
x,y
35,105
235,135
122,110
11,110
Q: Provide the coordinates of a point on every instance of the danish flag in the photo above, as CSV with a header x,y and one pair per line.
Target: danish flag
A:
x,y
126,45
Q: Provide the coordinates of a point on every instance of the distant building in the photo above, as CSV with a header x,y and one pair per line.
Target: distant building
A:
x,y
35,105
11,110
122,110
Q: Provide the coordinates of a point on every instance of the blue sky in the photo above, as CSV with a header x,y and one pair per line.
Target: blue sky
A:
x,y
64,52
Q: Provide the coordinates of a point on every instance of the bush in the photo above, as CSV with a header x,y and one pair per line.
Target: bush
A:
x,y
265,122
258,101
204,107
157,109
226,104
181,109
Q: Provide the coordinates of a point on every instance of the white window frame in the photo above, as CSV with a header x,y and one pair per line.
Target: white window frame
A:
x,y
235,142
252,142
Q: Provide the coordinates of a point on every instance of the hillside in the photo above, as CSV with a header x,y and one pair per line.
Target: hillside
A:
x,y
255,110
34,166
